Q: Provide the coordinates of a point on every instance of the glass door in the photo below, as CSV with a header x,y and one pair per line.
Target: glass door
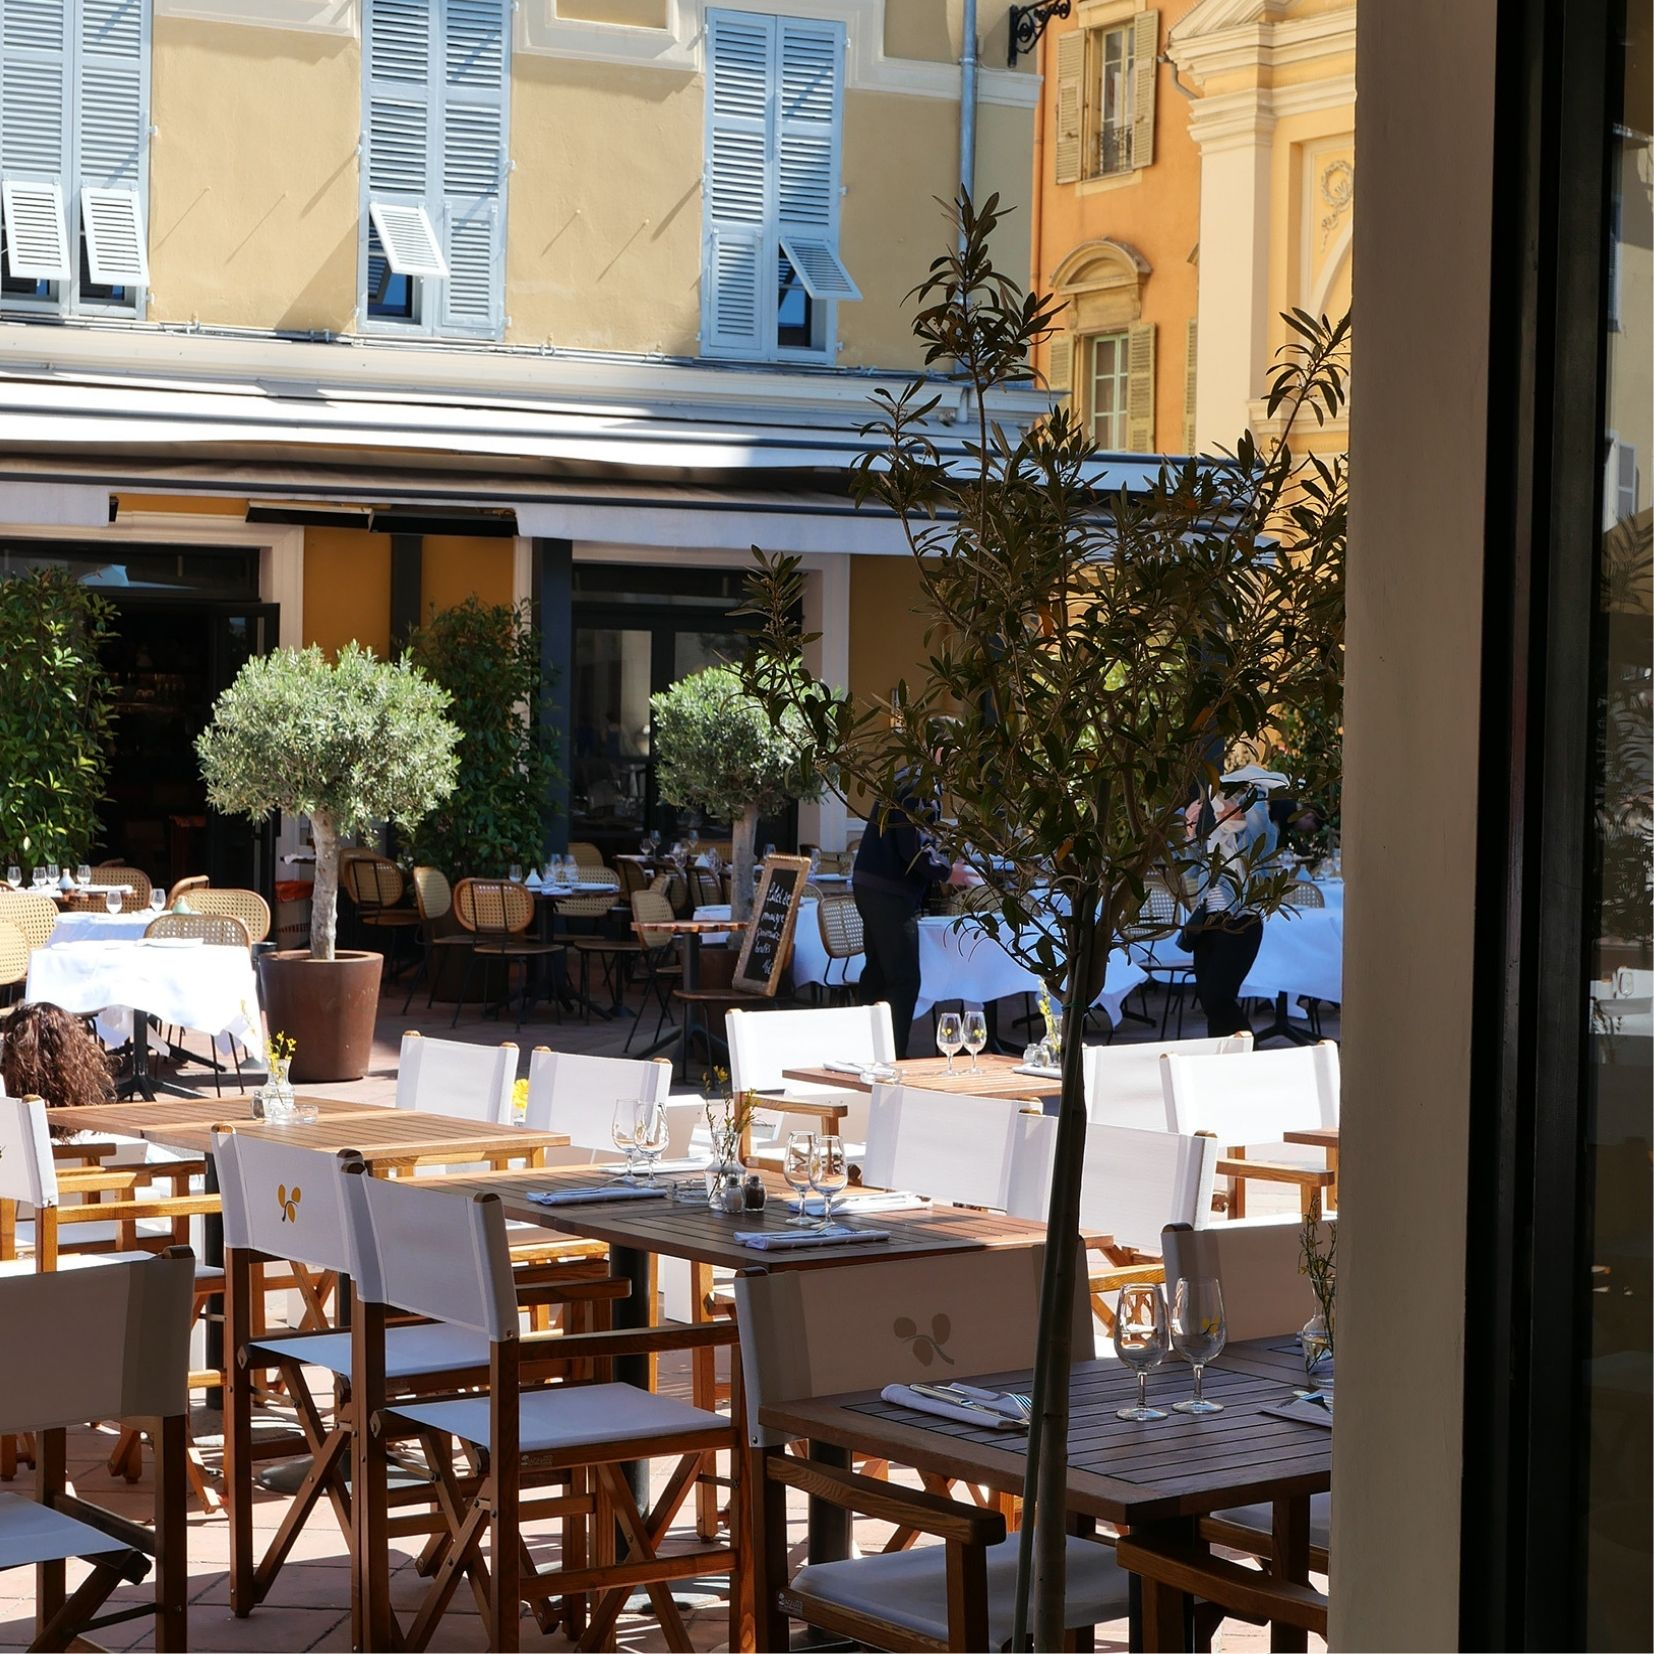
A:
x,y
239,852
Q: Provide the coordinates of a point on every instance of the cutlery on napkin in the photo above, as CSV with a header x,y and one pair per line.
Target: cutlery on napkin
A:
x,y
587,1197
779,1240
1302,1412
694,1163
838,1065
963,1403
891,1200
1038,1072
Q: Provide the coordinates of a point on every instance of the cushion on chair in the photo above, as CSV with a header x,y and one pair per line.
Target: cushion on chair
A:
x,y
1262,1517
569,1416
910,1588
432,1348
30,1532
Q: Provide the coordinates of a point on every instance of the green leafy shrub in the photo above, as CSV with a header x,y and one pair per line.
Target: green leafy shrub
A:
x,y
347,743
717,750
55,717
487,657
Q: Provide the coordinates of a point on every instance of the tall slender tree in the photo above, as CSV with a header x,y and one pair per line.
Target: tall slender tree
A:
x,y
1093,659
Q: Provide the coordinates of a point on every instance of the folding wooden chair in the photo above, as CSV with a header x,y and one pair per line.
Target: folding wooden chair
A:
x,y
953,1595
444,1255
444,1076
1123,1084
104,1343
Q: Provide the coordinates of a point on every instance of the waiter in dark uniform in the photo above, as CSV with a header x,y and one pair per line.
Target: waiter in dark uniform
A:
x,y
897,865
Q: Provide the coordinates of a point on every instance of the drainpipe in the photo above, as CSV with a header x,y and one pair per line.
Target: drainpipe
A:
x,y
967,105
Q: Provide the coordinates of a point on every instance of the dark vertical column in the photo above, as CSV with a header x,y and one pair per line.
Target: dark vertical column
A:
x,y
553,588
407,559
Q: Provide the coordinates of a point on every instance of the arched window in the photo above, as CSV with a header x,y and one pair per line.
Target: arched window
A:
x,y
1104,357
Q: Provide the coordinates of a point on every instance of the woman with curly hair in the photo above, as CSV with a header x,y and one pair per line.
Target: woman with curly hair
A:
x,y
50,1054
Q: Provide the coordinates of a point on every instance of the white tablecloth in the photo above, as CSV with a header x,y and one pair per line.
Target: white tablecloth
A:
x,y
126,926
1302,952
211,989
955,962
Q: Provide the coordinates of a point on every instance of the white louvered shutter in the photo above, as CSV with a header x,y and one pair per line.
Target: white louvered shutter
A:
x,y
475,77
36,231
807,128
110,127
35,141
112,221
739,211
407,240
399,36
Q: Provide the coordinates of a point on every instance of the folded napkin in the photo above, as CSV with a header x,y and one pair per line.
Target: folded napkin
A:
x,y
892,1200
782,1240
1302,1412
1005,1414
1037,1071
839,1065
586,1197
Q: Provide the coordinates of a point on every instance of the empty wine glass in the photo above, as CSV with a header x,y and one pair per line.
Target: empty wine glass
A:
x,y
516,873
37,877
114,900
1198,1334
950,1036
14,875
157,898
53,872
1140,1342
829,1173
623,1129
650,1134
795,1168
976,1036
83,873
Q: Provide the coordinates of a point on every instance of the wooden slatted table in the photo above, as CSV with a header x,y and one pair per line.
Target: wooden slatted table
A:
x,y
1157,1478
152,1121
997,1079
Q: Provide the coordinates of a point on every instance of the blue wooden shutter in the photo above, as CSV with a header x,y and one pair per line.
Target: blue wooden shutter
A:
x,y
738,264
399,50
34,135
475,78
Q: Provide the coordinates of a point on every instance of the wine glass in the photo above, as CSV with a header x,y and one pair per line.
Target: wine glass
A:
x,y
83,873
14,875
650,1134
1198,1334
623,1129
1140,1342
157,899
950,1036
829,1174
53,872
516,873
795,1168
976,1036
769,850
37,877
114,900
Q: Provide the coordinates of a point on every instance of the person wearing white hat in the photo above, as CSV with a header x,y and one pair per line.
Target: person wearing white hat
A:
x,y
1223,934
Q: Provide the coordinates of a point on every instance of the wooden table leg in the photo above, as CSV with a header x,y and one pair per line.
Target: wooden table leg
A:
x,y
768,1563
171,1534
1290,1533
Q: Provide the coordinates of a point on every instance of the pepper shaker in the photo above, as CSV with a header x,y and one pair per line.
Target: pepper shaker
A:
x,y
756,1194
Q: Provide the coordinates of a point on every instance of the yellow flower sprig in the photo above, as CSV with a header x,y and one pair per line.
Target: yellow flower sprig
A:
x,y
279,1050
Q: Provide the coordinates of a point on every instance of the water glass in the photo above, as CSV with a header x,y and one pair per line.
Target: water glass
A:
x,y
950,1036
795,1168
623,1129
83,873
1140,1342
650,1134
829,1174
114,900
976,1036
1198,1334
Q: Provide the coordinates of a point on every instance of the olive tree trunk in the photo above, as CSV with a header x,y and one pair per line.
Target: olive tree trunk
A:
x,y
1042,1546
324,895
743,834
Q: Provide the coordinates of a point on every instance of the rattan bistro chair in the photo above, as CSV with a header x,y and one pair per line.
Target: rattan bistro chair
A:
x,y
14,963
115,872
246,905
34,915
612,950
500,915
658,956
440,930
839,920
217,930
192,881
376,886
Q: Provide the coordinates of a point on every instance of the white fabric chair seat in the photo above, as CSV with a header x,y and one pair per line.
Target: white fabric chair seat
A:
x,y
1261,1516
87,1260
432,1348
910,1588
30,1533
570,1416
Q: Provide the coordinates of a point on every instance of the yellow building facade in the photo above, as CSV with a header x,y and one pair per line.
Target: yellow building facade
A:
x,y
329,312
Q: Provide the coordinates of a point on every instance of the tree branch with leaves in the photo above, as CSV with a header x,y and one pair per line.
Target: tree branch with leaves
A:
x,y
1094,660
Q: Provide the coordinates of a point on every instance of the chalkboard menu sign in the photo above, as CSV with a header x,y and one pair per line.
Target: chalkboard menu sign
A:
x,y
769,935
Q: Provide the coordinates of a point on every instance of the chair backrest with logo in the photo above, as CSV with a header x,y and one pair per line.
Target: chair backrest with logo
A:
x,y
282,1200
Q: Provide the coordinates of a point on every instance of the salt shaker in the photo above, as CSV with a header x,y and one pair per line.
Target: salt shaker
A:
x,y
734,1197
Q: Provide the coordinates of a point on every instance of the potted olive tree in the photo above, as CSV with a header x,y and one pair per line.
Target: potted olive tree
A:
x,y
346,743
717,750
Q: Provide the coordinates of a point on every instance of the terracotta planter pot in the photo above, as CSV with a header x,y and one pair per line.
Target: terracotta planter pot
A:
x,y
327,1006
